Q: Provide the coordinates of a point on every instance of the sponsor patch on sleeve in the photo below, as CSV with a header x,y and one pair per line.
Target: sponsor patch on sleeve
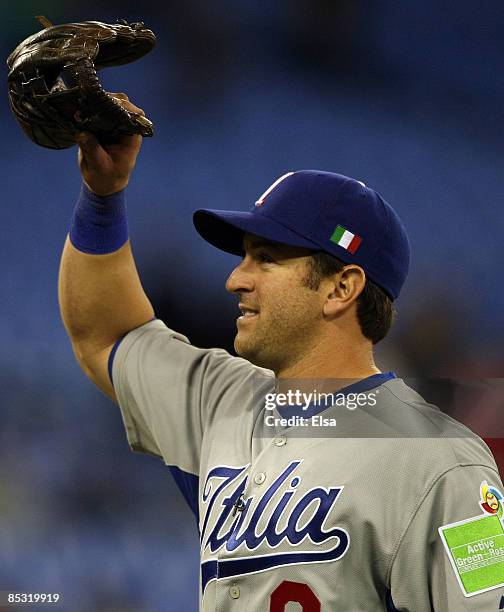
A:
x,y
475,546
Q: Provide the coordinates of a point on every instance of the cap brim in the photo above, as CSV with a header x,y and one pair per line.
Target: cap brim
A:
x,y
225,229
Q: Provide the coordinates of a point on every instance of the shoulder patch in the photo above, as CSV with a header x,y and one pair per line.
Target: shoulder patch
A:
x,y
475,546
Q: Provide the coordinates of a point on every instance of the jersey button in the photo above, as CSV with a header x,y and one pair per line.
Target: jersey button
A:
x,y
260,478
280,441
234,592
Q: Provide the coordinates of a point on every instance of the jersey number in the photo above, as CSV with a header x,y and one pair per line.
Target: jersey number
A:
x,y
297,592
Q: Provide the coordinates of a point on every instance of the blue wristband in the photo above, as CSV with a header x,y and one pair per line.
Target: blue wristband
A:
x,y
99,224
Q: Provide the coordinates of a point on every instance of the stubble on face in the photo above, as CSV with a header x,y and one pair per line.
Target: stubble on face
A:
x,y
289,312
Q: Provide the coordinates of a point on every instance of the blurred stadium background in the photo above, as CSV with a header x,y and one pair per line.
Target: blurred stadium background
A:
x,y
406,96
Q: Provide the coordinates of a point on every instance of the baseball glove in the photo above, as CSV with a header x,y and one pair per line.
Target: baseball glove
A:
x,y
54,90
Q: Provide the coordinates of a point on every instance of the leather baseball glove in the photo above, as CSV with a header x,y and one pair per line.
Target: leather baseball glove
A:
x,y
54,90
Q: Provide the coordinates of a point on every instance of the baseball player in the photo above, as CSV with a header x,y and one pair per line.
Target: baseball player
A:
x,y
319,483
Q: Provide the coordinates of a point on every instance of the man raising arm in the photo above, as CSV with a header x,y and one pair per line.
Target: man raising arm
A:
x,y
100,294
381,509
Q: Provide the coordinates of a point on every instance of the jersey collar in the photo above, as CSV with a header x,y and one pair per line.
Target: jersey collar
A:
x,y
361,386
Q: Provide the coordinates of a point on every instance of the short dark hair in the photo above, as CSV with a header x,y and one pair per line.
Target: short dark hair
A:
x,y
375,311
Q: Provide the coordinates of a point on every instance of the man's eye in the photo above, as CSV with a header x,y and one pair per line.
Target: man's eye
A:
x,y
263,257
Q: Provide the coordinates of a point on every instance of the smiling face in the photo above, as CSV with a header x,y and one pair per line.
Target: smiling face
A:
x,y
492,501
280,314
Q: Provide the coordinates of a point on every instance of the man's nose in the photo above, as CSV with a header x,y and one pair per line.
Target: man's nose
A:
x,y
240,279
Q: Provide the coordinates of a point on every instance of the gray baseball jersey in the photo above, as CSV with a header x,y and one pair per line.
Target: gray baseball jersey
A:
x,y
395,507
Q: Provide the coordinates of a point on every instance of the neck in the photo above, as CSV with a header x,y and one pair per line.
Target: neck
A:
x,y
346,361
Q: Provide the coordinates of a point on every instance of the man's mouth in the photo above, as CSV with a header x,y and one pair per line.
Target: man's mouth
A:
x,y
246,312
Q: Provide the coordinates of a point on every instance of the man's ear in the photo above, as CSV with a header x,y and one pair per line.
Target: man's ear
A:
x,y
343,289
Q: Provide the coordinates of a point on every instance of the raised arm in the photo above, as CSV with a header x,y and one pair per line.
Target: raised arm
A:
x,y
100,295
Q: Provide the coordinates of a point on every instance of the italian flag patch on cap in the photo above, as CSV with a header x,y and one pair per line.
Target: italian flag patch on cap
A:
x,y
343,238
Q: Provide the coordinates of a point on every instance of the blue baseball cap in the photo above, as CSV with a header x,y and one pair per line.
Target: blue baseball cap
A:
x,y
322,211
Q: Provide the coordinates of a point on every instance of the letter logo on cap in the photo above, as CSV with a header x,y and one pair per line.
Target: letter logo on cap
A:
x,y
260,201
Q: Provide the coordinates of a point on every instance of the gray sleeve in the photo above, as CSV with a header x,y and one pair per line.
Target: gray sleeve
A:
x,y
168,390
422,578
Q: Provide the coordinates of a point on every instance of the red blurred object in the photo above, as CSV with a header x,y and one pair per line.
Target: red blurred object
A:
x,y
497,447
